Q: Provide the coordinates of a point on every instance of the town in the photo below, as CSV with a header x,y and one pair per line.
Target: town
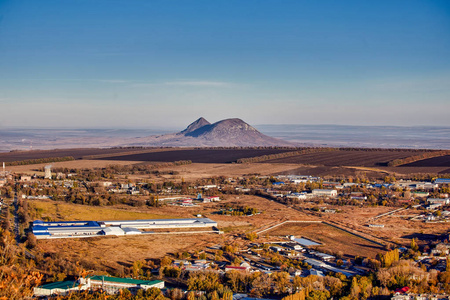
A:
x,y
265,236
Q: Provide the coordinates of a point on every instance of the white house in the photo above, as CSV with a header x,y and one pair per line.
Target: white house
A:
x,y
324,193
442,201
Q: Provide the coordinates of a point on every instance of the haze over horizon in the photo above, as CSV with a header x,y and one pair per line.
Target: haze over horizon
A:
x,y
159,64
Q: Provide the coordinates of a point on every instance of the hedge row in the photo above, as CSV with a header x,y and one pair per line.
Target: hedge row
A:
x,y
39,161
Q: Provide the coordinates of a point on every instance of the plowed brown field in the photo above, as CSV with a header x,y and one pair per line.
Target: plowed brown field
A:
x,y
199,155
75,153
440,161
346,158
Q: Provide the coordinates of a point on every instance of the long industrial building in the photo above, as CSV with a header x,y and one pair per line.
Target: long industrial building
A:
x,y
79,229
161,223
111,285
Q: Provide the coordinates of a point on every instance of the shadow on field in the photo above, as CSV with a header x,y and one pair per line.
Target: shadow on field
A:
x,y
372,247
124,264
422,236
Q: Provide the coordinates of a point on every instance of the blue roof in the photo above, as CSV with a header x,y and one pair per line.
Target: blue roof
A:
x,y
442,180
380,185
41,233
65,223
306,242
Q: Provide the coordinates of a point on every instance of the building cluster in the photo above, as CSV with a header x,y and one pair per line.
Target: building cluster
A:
x,y
401,192
435,258
187,201
253,260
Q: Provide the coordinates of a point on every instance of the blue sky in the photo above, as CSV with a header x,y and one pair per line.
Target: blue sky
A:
x,y
125,64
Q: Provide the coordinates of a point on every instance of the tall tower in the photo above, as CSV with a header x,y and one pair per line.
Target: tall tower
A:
x,y
48,172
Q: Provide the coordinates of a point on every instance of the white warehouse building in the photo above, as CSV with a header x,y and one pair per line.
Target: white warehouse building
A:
x,y
324,193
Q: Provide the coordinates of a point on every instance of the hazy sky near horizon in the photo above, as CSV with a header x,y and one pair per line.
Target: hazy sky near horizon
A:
x,y
125,64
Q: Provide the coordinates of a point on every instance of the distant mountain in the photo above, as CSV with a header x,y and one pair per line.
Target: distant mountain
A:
x,y
225,133
195,125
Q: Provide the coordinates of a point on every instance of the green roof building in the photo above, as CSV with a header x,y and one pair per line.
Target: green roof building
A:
x,y
112,285
57,288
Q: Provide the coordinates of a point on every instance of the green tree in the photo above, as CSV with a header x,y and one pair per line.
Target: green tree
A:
x,y
136,269
318,295
414,245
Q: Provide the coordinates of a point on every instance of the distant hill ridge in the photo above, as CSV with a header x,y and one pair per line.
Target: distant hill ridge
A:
x,y
221,129
225,133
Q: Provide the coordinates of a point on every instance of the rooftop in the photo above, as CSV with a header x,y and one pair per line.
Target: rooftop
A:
x,y
124,280
64,285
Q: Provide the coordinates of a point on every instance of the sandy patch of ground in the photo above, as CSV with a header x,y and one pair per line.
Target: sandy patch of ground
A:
x,y
197,171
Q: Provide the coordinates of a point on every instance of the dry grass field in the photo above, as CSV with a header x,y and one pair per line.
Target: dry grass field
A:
x,y
203,170
197,171
271,213
398,228
60,211
113,253
332,239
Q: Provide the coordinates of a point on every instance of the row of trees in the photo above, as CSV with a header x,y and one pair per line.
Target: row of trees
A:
x,y
17,275
39,161
238,210
279,283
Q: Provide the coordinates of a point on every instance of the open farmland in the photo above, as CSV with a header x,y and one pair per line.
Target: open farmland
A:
x,y
440,161
366,158
77,153
331,238
417,170
198,155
